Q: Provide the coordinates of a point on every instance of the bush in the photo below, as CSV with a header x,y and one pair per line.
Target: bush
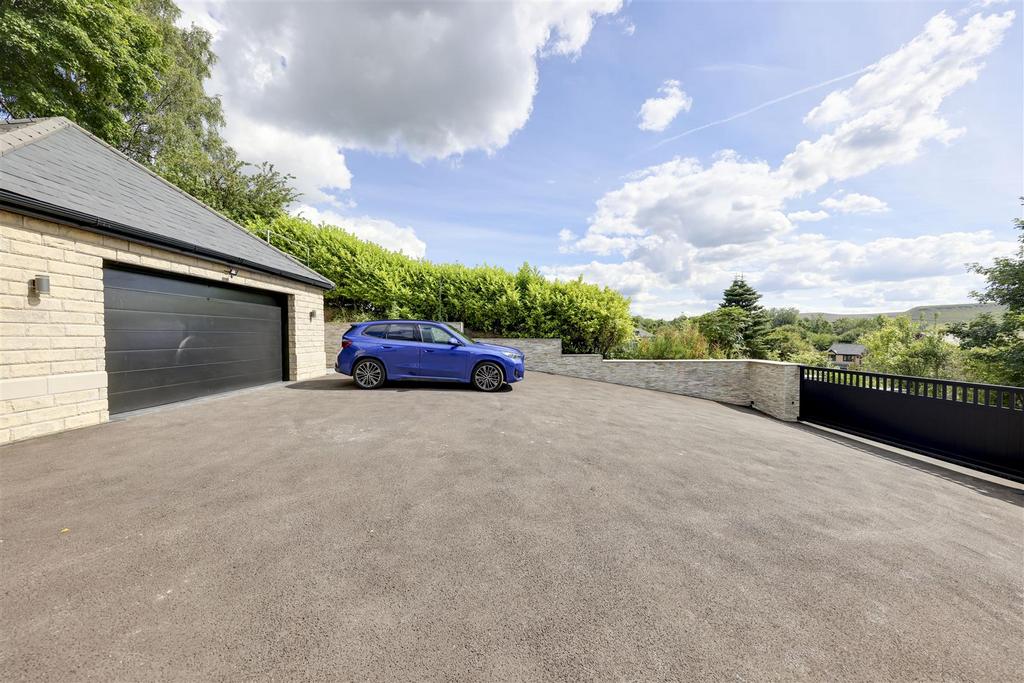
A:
x,y
376,283
669,343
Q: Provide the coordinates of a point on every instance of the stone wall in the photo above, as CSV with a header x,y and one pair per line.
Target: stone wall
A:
x,y
52,368
333,331
767,386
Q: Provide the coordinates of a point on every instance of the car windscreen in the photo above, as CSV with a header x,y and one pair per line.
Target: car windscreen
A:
x,y
465,339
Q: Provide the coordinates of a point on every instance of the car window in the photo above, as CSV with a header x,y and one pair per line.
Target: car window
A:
x,y
403,333
434,335
379,331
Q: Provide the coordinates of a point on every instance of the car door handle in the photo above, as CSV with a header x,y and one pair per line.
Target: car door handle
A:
x,y
429,350
387,346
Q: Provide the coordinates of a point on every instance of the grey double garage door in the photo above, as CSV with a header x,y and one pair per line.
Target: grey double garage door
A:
x,y
170,339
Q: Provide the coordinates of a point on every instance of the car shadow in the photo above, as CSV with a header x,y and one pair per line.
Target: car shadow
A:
x,y
346,384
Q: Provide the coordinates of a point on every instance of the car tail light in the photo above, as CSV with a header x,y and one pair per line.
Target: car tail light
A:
x,y
345,343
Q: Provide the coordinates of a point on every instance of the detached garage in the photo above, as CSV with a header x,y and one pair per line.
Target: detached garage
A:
x,y
118,291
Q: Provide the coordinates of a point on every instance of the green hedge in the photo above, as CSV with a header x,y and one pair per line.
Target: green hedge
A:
x,y
375,282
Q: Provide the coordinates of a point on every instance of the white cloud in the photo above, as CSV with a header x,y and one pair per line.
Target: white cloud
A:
x,y
855,203
429,80
695,225
376,230
629,278
315,160
892,110
807,216
657,113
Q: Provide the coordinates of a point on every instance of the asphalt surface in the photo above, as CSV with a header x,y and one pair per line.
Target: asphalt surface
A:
x,y
565,529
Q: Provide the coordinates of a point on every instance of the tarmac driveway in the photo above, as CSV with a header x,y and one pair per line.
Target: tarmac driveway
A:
x,y
565,529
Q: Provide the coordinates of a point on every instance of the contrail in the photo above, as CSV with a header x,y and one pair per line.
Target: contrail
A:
x,y
761,106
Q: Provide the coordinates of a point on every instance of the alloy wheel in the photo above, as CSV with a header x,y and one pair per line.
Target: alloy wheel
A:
x,y
487,377
368,374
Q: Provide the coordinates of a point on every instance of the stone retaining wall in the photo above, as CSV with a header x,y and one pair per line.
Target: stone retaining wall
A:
x,y
770,387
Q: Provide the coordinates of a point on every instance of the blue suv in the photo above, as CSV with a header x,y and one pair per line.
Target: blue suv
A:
x,y
421,349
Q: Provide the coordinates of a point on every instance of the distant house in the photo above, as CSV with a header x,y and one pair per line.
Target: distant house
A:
x,y
640,333
846,355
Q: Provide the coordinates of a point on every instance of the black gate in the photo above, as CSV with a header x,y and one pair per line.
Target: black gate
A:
x,y
976,425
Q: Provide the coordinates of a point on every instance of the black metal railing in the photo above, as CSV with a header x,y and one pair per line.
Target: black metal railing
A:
x,y
979,425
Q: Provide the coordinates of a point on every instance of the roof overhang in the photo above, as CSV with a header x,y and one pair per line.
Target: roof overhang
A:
x,y
27,206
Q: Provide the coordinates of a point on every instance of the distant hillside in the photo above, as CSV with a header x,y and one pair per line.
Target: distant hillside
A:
x,y
948,313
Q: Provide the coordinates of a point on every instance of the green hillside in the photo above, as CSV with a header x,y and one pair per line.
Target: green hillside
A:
x,y
948,313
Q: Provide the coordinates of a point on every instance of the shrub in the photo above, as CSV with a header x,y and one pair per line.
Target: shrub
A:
x,y
374,282
670,343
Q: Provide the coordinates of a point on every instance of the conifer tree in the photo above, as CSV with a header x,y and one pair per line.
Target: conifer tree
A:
x,y
741,295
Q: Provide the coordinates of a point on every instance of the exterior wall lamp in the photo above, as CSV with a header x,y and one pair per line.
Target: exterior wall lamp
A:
x,y
41,284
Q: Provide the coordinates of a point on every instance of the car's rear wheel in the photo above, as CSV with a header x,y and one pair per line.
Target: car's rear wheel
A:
x,y
368,374
488,377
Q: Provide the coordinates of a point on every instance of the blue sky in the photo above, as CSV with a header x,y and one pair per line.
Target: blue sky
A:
x,y
450,147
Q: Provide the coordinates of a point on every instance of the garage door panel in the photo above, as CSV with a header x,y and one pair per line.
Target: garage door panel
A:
x,y
135,281
146,320
153,396
127,340
122,299
132,380
169,339
142,359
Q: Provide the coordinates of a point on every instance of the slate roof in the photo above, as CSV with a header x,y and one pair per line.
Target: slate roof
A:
x,y
54,169
847,349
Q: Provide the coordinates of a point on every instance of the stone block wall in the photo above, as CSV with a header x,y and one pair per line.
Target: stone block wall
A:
x,y
52,367
770,387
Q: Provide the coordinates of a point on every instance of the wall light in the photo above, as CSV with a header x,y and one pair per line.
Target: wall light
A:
x,y
312,314
41,284
232,272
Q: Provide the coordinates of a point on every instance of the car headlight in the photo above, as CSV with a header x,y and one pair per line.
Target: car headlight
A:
x,y
511,354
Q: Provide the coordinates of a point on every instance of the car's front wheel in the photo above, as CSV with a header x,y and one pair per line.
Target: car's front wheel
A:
x,y
368,374
488,377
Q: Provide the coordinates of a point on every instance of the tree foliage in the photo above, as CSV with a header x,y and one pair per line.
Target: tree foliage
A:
x,y
902,347
740,295
94,62
995,348
372,281
724,328
123,70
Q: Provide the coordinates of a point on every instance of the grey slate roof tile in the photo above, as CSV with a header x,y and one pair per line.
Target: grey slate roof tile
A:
x,y
55,162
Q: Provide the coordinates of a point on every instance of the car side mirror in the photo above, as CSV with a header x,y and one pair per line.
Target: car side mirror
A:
x,y
454,342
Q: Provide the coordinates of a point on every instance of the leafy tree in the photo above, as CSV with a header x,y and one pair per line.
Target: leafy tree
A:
x,y
95,62
784,343
901,347
848,330
981,332
723,328
995,348
818,359
818,324
126,72
783,316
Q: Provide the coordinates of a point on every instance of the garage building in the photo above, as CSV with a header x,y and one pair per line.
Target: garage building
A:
x,y
119,291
